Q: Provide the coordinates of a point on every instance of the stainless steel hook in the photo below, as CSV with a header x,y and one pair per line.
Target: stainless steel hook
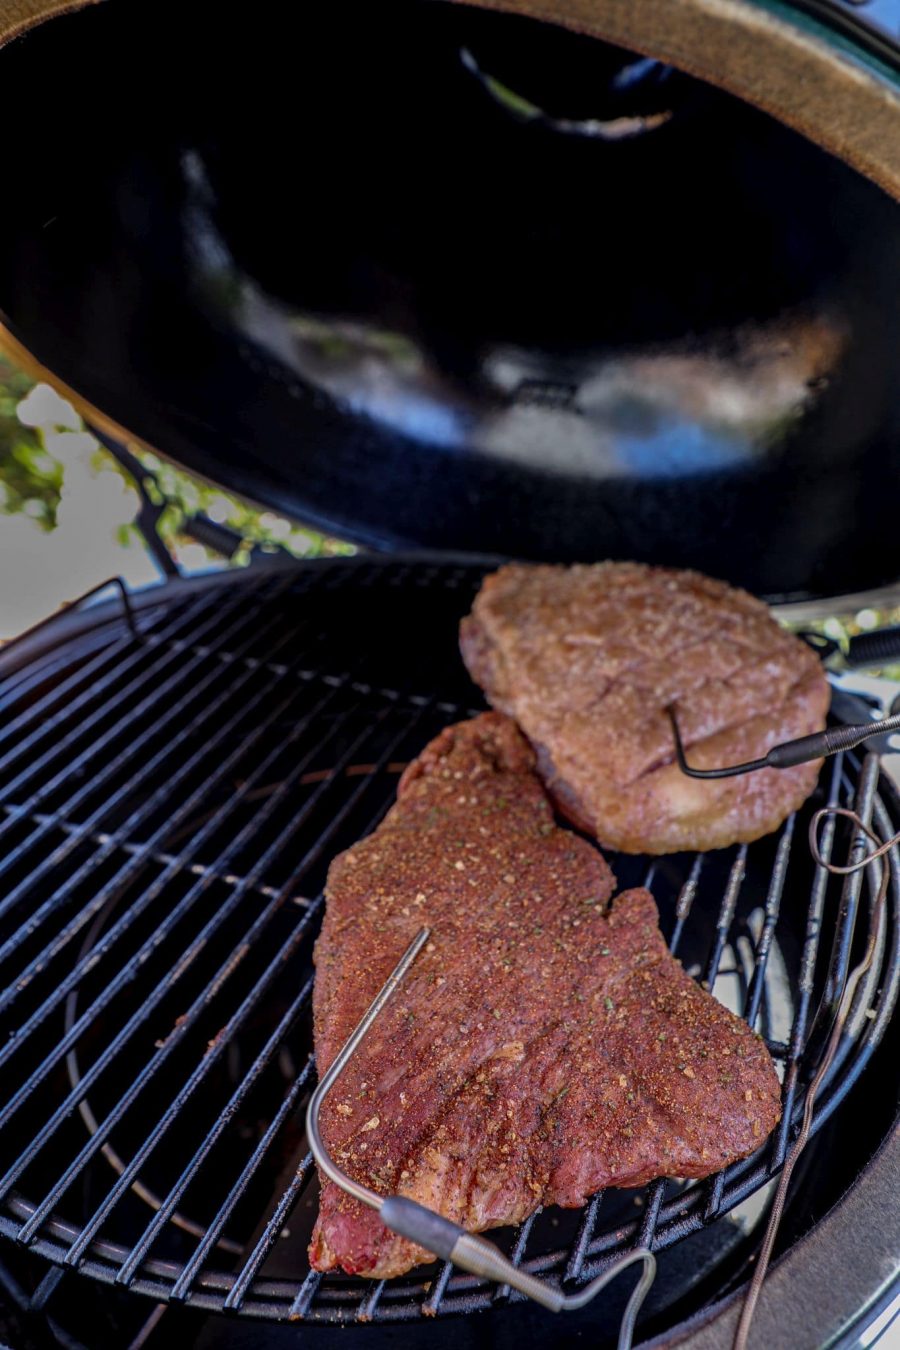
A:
x,y
441,1236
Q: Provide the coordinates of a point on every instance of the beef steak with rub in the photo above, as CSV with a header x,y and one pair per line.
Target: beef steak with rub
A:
x,y
588,659
544,1044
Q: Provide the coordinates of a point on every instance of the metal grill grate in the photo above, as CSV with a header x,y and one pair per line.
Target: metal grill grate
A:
x,y
173,785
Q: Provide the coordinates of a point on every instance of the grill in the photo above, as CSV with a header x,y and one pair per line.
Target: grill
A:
x,y
175,777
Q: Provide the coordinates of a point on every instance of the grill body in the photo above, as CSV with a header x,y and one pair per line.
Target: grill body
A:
x,y
172,790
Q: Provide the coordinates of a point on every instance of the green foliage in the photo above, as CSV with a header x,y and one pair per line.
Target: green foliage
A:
x,y
189,496
30,478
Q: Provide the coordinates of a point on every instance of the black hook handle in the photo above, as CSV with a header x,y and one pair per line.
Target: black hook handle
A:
x,y
802,750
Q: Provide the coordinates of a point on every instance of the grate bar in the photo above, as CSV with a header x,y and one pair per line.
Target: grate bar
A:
x,y
180,1100
501,1293
584,1235
46,1289
175,710
72,713
305,1295
633,1235
167,924
866,801
157,799
650,1220
772,911
685,902
212,926
432,1304
268,1237
808,959
815,914
214,1230
370,1301
716,1190
726,915
850,894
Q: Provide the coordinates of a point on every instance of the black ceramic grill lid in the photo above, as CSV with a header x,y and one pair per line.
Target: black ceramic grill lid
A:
x,y
428,274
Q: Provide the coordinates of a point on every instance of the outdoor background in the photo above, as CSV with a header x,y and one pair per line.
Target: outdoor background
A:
x,y
67,511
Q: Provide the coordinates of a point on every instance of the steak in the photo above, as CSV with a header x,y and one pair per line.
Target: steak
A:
x,y
587,659
543,1045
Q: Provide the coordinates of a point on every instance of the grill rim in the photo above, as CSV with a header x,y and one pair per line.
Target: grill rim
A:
x,y
79,619
211,1285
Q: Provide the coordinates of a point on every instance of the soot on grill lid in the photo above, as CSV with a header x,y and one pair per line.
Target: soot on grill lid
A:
x,y
427,274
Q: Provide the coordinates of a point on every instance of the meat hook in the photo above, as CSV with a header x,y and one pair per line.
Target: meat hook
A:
x,y
441,1236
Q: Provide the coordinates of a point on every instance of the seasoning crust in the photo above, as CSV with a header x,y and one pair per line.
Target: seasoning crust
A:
x,y
588,658
544,1044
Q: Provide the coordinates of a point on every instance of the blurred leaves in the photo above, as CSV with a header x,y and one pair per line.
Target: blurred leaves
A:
x,y
41,438
188,496
30,478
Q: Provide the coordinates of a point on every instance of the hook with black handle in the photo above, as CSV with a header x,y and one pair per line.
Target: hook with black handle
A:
x,y
802,750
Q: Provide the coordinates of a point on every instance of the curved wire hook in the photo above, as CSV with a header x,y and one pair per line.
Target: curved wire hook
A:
x,y
802,750
442,1236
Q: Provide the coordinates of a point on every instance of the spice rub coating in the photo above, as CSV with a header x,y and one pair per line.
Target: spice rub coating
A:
x,y
588,658
543,1045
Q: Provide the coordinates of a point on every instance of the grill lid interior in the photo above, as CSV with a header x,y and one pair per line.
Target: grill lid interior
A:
x,y
433,275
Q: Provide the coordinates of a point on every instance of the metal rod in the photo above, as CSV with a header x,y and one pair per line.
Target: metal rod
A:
x,y
772,910
182,1285
853,979
149,771
725,916
583,1237
435,1233
214,923
71,605
789,754
239,1289
151,1139
118,707
320,1153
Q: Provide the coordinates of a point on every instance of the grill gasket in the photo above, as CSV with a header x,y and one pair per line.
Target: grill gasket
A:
x,y
412,701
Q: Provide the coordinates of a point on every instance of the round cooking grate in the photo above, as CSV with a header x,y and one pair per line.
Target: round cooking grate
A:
x,y
172,790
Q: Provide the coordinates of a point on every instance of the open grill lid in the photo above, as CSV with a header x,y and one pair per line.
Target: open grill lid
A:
x,y
428,274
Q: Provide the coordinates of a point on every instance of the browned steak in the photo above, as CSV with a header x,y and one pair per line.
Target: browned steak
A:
x,y
542,1046
587,659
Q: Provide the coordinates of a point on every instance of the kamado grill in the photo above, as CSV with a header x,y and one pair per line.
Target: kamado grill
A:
x,y
602,281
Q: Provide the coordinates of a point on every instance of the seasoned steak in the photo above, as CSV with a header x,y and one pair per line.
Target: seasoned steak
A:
x,y
542,1046
587,660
